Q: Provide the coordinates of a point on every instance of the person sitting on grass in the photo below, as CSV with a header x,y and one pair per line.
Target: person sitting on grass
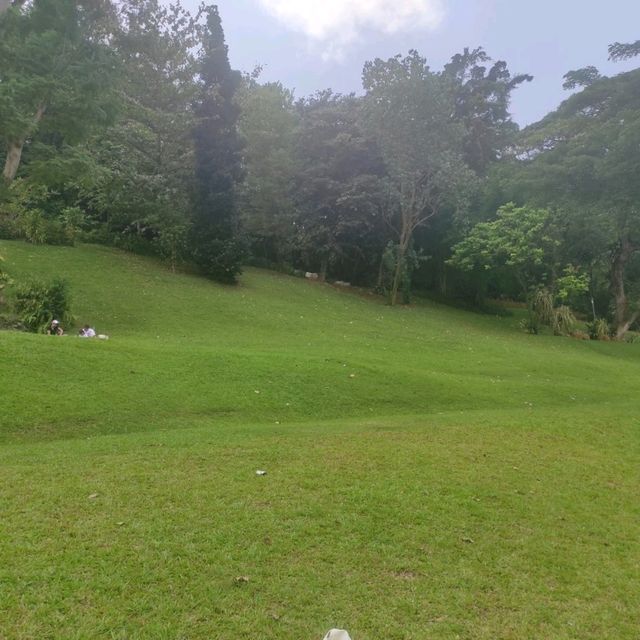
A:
x,y
55,329
87,332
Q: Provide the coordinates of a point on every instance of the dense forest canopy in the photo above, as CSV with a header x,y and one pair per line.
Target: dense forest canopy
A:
x,y
123,123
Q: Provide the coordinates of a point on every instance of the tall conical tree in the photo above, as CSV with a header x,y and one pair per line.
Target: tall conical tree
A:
x,y
217,248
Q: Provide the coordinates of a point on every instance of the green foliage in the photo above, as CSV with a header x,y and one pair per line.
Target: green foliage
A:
x,y
217,249
338,184
408,112
520,241
542,309
56,78
34,226
543,312
268,124
172,242
73,220
30,212
218,258
571,284
599,329
564,321
585,158
481,98
143,195
38,303
581,78
4,281
624,51
410,262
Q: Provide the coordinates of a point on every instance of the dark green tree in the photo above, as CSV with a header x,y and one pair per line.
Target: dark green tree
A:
x,y
338,185
481,97
580,78
585,158
620,51
215,241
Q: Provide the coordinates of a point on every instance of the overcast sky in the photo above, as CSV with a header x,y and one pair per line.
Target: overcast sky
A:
x,y
310,45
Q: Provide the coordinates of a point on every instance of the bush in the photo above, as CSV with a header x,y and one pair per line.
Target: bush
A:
x,y
4,281
220,259
543,312
38,303
599,329
34,226
9,227
564,322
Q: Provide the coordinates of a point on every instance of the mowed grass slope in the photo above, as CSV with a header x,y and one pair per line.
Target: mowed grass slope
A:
x,y
431,473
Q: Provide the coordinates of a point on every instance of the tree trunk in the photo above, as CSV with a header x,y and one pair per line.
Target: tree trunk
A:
x,y
12,162
14,150
621,302
380,284
324,267
622,330
442,278
405,238
408,218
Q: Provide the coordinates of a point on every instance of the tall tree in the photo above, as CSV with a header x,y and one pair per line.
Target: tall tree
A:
x,y
268,124
482,98
585,156
338,181
148,154
216,243
409,111
55,76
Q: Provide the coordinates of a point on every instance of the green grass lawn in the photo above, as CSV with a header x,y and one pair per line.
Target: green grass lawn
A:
x,y
431,473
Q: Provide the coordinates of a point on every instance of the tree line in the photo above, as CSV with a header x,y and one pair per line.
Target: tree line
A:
x,y
123,123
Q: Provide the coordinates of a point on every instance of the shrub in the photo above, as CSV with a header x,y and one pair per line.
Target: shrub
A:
x,y
38,303
73,220
599,329
543,312
4,281
542,307
563,322
9,227
34,226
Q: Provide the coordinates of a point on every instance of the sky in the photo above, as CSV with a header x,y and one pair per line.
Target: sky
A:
x,y
310,45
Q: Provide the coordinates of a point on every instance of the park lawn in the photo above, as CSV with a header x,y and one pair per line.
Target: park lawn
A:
x,y
431,473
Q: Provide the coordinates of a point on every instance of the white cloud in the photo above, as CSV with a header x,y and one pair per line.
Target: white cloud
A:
x,y
335,24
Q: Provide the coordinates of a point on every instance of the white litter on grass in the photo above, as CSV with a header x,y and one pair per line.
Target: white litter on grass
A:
x,y
337,634
260,472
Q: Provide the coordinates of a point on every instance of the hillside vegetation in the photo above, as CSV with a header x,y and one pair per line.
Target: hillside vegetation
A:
x,y
431,473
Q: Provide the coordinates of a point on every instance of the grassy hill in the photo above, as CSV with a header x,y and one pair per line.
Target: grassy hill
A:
x,y
431,473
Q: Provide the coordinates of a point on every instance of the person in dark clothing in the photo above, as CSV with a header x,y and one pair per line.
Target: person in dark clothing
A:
x,y
55,329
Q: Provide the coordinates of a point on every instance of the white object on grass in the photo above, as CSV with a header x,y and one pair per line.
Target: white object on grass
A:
x,y
337,634
260,472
